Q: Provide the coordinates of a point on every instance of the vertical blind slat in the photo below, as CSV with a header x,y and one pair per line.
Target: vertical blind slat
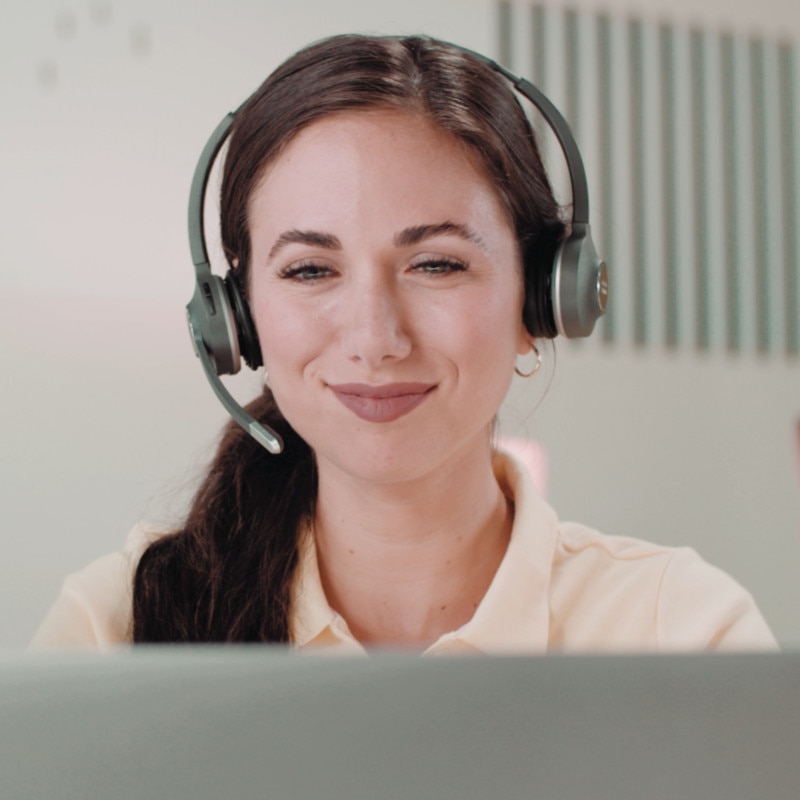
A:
x,y
690,139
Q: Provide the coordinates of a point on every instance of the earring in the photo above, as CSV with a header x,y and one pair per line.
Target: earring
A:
x,y
265,379
537,366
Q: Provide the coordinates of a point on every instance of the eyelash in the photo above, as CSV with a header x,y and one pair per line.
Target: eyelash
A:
x,y
309,272
300,272
442,266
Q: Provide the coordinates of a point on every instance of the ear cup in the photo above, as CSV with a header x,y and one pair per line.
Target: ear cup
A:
x,y
246,331
579,284
211,321
219,315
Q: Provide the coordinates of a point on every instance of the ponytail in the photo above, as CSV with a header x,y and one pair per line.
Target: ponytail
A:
x,y
227,576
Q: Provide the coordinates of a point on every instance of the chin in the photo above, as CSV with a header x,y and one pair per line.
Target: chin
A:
x,y
380,464
400,457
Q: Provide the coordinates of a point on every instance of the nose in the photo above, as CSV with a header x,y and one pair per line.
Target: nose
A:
x,y
375,323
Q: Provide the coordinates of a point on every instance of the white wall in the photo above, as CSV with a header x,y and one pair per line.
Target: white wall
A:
x,y
106,416
778,18
697,451
106,106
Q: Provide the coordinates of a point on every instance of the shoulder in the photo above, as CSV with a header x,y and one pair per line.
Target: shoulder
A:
x,y
620,593
93,609
629,593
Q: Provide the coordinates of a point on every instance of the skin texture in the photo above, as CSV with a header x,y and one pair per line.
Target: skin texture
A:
x,y
387,294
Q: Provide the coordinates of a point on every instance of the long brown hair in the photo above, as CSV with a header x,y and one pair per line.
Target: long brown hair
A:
x,y
227,574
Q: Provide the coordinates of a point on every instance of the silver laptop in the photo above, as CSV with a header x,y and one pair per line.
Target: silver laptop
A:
x,y
256,722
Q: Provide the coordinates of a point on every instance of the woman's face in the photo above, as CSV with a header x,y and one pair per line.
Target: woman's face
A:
x,y
387,294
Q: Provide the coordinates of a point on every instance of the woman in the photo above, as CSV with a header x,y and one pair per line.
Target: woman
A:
x,y
386,214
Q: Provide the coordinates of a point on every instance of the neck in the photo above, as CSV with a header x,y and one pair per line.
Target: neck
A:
x,y
404,563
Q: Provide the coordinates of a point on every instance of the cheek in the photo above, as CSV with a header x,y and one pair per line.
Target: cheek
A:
x,y
486,335
286,337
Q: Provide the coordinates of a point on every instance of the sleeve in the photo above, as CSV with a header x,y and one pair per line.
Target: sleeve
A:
x,y
702,607
94,609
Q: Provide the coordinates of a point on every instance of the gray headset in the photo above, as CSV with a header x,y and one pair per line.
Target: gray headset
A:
x,y
567,300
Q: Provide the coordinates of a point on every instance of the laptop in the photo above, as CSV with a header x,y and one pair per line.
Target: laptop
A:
x,y
258,722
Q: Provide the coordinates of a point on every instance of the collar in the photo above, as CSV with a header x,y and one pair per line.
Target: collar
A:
x,y
513,616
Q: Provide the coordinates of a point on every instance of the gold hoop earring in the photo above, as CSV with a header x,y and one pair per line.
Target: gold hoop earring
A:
x,y
537,366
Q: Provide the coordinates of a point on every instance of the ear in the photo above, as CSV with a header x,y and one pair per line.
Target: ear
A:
x,y
525,342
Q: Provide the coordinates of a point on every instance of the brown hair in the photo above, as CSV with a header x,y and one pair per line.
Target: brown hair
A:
x,y
226,575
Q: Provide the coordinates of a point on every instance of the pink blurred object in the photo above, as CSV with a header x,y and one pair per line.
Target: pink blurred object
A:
x,y
532,455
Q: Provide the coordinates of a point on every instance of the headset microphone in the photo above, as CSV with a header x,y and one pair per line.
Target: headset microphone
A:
x,y
263,434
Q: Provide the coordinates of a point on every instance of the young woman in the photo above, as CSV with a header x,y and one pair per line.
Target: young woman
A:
x,y
387,217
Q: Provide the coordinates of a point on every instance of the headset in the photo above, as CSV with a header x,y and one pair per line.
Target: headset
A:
x,y
571,296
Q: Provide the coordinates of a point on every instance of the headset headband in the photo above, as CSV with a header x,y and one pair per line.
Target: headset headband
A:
x,y
554,118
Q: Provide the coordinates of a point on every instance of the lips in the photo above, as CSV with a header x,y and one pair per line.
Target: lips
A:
x,y
383,403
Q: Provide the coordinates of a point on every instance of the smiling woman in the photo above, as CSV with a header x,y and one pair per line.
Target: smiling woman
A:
x,y
393,300
391,234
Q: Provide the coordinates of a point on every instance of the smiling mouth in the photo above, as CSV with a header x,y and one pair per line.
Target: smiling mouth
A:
x,y
383,403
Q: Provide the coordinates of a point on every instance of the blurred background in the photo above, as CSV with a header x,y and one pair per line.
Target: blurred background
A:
x,y
679,422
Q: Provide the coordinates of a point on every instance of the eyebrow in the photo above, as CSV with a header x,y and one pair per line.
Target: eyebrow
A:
x,y
405,238
418,233
313,238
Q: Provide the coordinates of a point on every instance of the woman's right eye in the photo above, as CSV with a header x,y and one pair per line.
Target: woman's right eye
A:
x,y
305,272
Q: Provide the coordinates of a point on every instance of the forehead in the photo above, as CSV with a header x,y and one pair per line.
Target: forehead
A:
x,y
377,162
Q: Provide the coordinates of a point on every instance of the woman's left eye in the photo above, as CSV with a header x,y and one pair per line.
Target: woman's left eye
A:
x,y
439,266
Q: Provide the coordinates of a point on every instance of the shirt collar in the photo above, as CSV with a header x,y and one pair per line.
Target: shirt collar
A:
x,y
513,616
313,622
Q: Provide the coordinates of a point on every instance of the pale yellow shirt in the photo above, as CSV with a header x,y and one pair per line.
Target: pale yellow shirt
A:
x,y
560,587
